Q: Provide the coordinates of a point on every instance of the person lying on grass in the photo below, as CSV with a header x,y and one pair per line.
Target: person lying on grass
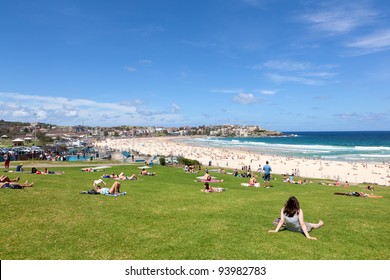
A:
x,y
359,194
115,189
144,172
47,171
14,185
4,179
208,188
291,217
121,176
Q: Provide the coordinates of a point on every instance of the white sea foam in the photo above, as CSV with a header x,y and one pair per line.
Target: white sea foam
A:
x,y
331,152
371,155
379,148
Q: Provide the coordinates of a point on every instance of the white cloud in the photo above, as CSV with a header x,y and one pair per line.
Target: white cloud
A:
x,y
295,79
130,69
364,117
372,43
238,90
175,108
298,72
202,45
287,65
59,110
145,61
344,18
245,98
19,113
41,114
267,91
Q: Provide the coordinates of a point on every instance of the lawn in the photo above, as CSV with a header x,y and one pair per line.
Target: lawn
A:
x,y
167,217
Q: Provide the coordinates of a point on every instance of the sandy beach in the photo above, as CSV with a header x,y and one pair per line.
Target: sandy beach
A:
x,y
353,172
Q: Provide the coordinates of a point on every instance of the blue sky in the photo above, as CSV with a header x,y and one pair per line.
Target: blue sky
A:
x,y
281,64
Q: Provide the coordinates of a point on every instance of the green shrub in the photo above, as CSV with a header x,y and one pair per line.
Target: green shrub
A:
x,y
162,161
186,161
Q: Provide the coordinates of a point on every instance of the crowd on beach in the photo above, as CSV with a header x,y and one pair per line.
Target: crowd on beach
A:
x,y
353,172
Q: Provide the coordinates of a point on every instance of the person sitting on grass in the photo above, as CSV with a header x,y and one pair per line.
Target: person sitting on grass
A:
x,y
208,188
4,179
115,189
14,185
291,217
253,182
19,168
207,176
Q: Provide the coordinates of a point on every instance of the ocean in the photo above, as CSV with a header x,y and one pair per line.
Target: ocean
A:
x,y
350,146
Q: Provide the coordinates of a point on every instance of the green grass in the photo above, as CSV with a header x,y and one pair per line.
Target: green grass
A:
x,y
166,217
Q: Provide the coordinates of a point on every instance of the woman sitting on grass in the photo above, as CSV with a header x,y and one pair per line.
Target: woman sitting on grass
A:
x,y
291,217
115,189
253,182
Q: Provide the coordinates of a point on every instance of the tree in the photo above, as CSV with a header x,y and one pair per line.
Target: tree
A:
x,y
42,137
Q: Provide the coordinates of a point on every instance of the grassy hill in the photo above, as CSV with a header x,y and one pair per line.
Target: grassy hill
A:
x,y
167,217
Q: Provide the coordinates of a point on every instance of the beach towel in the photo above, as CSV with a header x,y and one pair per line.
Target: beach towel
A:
x,y
116,194
257,185
202,177
89,192
95,169
108,194
215,189
209,181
